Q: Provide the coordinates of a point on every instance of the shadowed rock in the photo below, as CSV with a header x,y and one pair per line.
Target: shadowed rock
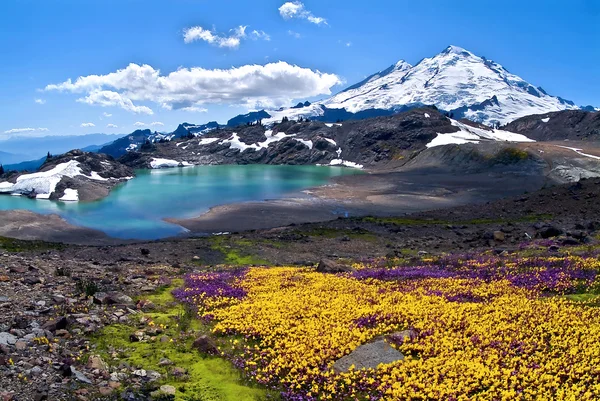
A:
x,y
368,356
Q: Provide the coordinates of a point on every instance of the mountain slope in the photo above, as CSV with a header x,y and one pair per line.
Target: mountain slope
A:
x,y
455,81
559,126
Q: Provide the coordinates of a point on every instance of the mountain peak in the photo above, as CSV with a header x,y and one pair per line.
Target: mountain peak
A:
x,y
457,50
455,80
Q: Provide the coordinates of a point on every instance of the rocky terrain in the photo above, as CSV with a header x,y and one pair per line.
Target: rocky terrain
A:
x,y
73,176
58,301
380,142
571,125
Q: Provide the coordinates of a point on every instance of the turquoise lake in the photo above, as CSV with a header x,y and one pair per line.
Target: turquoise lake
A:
x,y
136,209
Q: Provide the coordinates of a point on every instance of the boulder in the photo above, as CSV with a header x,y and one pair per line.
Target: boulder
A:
x,y
330,266
368,356
549,232
60,323
205,345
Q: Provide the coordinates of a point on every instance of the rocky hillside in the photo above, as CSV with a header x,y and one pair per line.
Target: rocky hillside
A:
x,y
558,126
376,142
74,176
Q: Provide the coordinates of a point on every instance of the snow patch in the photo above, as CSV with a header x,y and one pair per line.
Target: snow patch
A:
x,y
71,195
427,115
468,134
578,151
331,125
164,163
44,183
207,141
331,141
545,120
95,176
235,142
308,143
346,163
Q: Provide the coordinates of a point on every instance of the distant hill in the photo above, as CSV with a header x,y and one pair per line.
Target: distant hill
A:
x,y
31,165
32,148
7,158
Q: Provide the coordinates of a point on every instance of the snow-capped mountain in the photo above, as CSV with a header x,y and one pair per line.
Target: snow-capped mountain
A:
x,y
456,81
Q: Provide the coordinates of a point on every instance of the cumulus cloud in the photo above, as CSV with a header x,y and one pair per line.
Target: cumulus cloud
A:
x,y
232,40
111,126
157,124
87,125
296,9
106,98
25,130
195,109
139,124
276,84
40,101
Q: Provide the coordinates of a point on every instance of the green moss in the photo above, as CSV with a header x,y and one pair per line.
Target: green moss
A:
x,y
236,252
207,378
16,245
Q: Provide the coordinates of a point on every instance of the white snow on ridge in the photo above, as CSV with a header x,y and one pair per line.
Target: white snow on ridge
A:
x,y
308,144
71,195
44,183
545,120
452,79
331,141
346,163
235,142
469,134
314,110
330,125
207,141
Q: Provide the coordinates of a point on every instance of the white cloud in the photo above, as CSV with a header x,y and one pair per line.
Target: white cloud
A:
x,y
140,124
276,84
194,109
111,126
24,130
296,9
255,35
87,125
157,124
296,35
106,98
40,101
348,44
107,115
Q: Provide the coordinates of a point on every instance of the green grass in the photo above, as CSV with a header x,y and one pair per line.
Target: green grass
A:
x,y
208,378
17,245
236,252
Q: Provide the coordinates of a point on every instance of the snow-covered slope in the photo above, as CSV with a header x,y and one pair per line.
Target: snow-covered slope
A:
x,y
469,134
456,81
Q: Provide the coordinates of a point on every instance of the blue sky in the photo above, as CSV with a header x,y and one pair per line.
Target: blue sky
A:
x,y
333,43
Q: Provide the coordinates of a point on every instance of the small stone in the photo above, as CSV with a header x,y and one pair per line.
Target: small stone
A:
x,y
56,324
196,258
96,362
499,236
21,345
36,371
80,376
145,251
165,362
105,391
140,373
7,339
